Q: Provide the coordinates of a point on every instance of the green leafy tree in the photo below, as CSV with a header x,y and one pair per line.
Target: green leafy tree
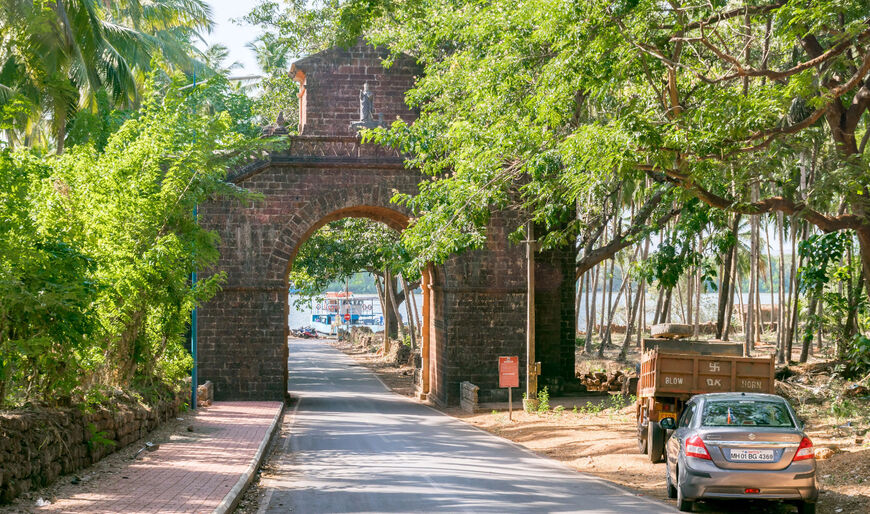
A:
x,y
132,204
215,59
277,92
827,277
272,53
46,287
342,248
300,27
564,103
97,246
601,121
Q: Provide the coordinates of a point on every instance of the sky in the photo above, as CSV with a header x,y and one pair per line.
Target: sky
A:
x,y
233,35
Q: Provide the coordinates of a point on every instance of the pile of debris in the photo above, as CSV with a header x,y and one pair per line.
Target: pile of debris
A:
x,y
364,336
609,381
819,382
398,354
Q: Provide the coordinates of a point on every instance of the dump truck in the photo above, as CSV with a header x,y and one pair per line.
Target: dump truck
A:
x,y
672,371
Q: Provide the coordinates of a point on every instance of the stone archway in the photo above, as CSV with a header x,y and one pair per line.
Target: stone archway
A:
x,y
293,236
243,329
475,302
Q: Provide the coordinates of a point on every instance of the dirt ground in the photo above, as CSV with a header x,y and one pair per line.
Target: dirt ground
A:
x,y
596,435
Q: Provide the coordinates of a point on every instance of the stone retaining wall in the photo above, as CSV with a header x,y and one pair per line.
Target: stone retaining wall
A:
x,y
39,445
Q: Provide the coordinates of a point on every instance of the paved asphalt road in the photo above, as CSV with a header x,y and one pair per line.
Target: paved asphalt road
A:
x,y
357,447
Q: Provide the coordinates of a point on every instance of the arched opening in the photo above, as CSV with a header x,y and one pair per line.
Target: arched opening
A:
x,y
397,306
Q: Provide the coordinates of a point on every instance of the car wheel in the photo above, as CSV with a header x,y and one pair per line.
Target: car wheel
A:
x,y
672,491
682,503
807,508
655,442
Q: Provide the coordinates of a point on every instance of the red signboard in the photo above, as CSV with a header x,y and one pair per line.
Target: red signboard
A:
x,y
508,372
347,316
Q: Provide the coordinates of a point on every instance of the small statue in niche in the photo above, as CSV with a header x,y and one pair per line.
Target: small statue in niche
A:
x,y
367,110
366,104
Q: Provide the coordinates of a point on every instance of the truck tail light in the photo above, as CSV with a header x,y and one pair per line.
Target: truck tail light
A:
x,y
805,450
695,447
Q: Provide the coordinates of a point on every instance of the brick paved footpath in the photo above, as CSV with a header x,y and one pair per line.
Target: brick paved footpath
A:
x,y
193,473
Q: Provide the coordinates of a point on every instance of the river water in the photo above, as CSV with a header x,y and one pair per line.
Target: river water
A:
x,y
301,317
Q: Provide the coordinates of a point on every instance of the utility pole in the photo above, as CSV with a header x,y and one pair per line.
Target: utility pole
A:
x,y
533,368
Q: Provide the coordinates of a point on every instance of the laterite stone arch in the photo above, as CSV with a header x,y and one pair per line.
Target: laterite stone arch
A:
x,y
474,304
334,206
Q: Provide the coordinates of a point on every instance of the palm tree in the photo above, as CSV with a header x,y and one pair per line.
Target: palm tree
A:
x,y
66,54
215,59
272,54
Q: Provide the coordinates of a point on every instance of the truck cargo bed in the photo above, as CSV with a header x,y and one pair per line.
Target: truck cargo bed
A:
x,y
680,375
693,347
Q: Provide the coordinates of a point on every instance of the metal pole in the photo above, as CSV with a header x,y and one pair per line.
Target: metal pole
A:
x,y
531,365
346,298
193,372
194,383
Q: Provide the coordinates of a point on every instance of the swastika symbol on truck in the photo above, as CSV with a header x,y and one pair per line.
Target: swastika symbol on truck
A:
x,y
714,366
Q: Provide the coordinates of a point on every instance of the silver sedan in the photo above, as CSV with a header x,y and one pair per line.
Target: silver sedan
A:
x,y
740,446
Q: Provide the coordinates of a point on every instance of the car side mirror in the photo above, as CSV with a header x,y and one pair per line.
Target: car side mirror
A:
x,y
668,424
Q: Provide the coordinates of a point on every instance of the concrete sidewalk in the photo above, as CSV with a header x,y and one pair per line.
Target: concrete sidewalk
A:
x,y
201,471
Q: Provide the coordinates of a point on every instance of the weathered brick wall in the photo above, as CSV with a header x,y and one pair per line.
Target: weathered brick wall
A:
x,y
331,81
39,445
484,297
241,343
483,294
555,330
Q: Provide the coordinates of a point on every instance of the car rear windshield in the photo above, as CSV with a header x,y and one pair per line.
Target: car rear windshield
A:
x,y
723,413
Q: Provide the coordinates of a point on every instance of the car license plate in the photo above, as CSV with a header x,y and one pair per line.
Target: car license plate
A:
x,y
752,455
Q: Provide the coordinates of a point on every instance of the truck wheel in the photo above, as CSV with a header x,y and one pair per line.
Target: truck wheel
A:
x,y
655,442
807,508
641,439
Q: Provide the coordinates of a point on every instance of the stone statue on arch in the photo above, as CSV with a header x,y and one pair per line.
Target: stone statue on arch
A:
x,y
367,110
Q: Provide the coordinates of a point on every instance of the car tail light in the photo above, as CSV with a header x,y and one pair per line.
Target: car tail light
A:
x,y
805,450
695,448
752,490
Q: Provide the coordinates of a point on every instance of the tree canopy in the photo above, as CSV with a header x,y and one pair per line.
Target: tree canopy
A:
x,y
342,248
607,122
62,57
553,104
